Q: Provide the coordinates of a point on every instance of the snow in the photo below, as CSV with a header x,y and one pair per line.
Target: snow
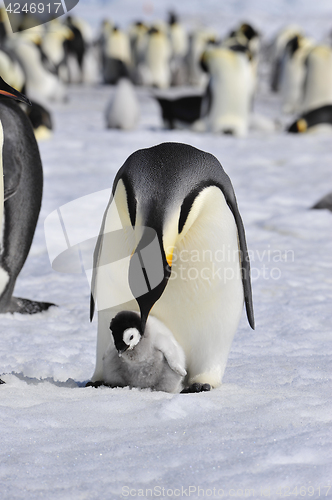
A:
x,y
267,429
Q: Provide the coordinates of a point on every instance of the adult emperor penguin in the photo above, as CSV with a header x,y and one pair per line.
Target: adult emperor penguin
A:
x,y
153,360
318,81
23,184
319,119
172,242
232,85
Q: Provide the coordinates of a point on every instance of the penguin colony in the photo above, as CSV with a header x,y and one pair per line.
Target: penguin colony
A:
x,y
167,335
222,71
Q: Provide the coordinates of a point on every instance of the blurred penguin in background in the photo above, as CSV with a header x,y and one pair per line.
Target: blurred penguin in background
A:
x,y
314,121
278,51
138,40
53,46
123,110
232,88
116,56
41,85
318,78
294,72
74,47
179,45
325,203
199,40
155,68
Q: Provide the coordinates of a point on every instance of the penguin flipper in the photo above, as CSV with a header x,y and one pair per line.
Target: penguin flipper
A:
x,y
163,341
26,306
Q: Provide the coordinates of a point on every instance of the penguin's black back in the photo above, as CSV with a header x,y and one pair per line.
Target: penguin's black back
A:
x,y
23,186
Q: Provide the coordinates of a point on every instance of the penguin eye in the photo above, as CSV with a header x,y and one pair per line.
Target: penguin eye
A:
x,y
131,338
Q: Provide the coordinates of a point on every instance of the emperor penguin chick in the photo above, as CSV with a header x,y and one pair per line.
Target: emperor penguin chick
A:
x,y
153,360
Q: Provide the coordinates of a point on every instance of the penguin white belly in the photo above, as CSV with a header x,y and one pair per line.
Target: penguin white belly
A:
x,y
41,85
157,61
123,110
203,301
11,71
232,88
318,87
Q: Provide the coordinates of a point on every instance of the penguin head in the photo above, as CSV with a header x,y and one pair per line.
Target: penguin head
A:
x,y
8,91
125,328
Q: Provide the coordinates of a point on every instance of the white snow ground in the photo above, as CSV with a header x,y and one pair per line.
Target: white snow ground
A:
x,y
266,432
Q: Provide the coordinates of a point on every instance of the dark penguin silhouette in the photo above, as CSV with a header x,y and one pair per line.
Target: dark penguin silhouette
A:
x,y
324,203
23,186
318,116
75,46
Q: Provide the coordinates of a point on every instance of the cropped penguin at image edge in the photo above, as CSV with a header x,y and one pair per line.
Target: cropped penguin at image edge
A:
x,y
21,198
169,201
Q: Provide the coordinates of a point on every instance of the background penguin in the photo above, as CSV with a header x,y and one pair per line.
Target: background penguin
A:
x,y
116,55
324,203
185,110
278,51
294,72
155,68
179,45
169,201
318,80
232,88
41,85
153,360
23,185
75,49
123,109
312,120
40,119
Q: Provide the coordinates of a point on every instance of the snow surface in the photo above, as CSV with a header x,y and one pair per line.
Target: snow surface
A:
x,y
267,429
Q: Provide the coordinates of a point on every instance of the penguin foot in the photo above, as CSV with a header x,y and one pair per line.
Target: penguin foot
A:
x,y
26,306
94,384
196,388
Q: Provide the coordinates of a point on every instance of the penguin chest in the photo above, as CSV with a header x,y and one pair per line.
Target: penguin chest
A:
x,y
204,295
142,370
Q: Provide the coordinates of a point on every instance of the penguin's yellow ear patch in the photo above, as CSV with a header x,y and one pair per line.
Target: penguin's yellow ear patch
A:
x,y
302,125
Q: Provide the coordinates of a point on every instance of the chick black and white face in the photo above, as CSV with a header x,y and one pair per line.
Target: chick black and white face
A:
x,y
125,327
131,337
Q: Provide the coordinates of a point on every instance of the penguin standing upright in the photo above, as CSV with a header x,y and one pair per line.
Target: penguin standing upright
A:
x,y
232,87
23,185
318,80
155,69
172,242
123,109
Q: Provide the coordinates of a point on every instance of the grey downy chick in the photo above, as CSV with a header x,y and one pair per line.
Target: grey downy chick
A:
x,y
153,360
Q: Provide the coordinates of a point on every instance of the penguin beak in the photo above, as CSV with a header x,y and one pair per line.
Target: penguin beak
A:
x,y
148,272
8,91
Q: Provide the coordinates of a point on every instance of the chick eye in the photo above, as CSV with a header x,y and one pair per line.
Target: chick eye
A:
x,y
131,338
